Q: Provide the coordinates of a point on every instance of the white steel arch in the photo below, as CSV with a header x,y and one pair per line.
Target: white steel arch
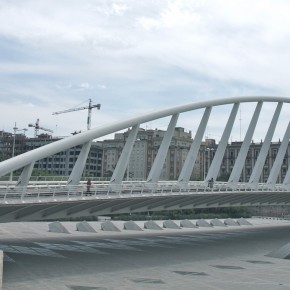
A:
x,y
25,160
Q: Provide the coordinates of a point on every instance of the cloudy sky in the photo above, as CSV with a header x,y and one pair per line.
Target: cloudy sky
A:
x,y
133,57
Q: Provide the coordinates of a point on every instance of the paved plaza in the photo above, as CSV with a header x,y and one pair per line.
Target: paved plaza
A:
x,y
232,257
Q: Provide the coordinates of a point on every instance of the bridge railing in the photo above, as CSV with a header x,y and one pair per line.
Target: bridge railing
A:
x,y
46,191
45,178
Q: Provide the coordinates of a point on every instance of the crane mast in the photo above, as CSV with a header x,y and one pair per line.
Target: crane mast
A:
x,y
37,128
89,108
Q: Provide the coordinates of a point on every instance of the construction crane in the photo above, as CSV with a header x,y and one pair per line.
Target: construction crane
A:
x,y
89,108
37,128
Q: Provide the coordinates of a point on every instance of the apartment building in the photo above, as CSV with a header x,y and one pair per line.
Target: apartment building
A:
x,y
231,154
104,155
144,152
251,159
61,163
11,144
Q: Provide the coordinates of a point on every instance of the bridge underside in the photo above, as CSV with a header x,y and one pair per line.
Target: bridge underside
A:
x,y
92,206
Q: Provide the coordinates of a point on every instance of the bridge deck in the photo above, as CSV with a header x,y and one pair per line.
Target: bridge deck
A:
x,y
54,201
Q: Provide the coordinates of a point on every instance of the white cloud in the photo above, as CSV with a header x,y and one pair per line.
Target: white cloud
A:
x,y
136,56
64,85
178,14
119,8
85,86
103,87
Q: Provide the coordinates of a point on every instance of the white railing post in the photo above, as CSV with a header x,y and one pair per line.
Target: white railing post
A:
x,y
53,193
131,191
38,194
5,196
22,193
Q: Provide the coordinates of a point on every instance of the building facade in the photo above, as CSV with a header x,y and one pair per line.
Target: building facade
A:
x,y
61,163
11,145
104,155
144,152
231,154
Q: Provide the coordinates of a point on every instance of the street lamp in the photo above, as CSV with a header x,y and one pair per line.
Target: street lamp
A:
x,y
15,129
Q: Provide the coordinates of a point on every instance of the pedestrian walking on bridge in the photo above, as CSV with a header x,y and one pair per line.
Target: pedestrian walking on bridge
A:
x,y
89,184
210,183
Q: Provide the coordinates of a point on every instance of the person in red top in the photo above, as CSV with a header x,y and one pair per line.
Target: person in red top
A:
x,y
89,184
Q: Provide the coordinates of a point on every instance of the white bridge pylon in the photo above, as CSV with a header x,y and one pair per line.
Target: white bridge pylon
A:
x,y
27,160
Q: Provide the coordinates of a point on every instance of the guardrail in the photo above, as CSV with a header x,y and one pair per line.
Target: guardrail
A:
x,y
52,178
272,217
41,191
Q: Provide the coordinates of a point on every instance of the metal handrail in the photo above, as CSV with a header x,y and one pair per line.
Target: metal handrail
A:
x,y
50,191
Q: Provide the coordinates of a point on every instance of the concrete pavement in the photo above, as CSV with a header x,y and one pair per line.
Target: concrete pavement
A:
x,y
198,258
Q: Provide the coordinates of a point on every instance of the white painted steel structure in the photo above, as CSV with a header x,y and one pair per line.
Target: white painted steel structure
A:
x,y
42,201
179,194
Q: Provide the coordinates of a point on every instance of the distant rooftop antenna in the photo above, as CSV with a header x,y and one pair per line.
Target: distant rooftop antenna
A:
x,y
89,108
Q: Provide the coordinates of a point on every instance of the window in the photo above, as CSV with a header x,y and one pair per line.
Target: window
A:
x,y
257,153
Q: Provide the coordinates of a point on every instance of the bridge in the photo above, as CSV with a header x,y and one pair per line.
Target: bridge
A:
x,y
40,200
